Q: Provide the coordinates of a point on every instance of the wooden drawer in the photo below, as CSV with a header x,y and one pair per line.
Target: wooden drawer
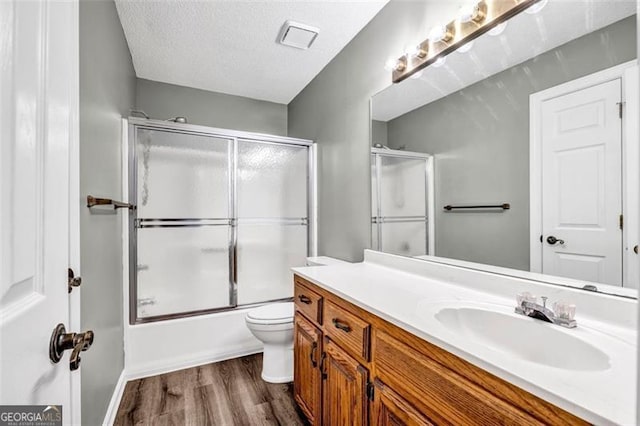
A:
x,y
308,302
348,330
439,392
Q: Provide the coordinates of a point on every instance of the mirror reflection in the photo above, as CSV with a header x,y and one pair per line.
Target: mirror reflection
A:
x,y
517,154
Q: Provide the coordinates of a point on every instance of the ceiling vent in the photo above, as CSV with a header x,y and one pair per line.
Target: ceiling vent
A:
x,y
297,35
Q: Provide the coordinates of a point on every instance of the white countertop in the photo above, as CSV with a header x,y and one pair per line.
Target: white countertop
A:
x,y
382,286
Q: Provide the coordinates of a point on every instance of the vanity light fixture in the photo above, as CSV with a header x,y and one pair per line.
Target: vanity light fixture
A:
x,y
471,23
473,13
442,33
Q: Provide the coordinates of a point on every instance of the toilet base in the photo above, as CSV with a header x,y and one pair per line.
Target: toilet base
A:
x,y
277,363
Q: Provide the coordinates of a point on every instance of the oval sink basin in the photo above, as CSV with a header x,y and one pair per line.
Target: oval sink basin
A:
x,y
523,337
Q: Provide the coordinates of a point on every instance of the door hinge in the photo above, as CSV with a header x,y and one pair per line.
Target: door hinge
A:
x,y
620,108
621,221
370,391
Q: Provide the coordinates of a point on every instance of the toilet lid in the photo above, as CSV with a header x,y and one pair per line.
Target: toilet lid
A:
x,y
274,312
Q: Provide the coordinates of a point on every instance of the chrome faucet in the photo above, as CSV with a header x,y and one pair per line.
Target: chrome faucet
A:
x,y
562,313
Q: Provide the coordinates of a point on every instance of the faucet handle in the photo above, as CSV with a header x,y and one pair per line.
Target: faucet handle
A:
x,y
564,310
525,296
544,301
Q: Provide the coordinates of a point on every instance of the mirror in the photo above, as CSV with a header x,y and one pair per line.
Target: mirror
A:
x,y
519,154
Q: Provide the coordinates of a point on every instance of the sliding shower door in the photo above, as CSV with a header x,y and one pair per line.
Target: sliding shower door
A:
x,y
183,222
219,221
399,202
272,200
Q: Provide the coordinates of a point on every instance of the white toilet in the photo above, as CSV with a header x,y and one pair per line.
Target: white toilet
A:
x,y
273,325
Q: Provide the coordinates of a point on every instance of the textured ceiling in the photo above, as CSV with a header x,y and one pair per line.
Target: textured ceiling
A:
x,y
525,37
230,46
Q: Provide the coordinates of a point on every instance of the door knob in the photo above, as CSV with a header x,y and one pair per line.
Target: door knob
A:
x,y
553,240
62,341
73,281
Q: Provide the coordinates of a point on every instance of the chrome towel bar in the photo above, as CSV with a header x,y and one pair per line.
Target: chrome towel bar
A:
x,y
504,206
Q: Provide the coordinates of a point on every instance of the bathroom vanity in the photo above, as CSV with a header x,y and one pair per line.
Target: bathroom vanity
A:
x,y
390,341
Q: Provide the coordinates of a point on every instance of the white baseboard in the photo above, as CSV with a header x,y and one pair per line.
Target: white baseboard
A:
x,y
167,366
112,409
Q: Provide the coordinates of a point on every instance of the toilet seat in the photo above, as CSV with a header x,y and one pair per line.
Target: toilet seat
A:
x,y
274,313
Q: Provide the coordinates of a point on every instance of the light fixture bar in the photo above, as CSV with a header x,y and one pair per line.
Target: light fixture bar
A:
x,y
487,15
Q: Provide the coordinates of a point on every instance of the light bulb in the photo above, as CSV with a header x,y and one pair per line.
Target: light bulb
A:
x,y
465,47
415,50
439,62
390,64
417,75
440,33
496,31
469,13
537,7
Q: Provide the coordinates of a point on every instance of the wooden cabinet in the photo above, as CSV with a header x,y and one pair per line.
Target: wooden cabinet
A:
x,y
308,302
370,371
344,398
390,409
348,330
307,386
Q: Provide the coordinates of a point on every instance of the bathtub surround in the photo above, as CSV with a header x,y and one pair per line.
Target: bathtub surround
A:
x,y
162,101
107,91
488,160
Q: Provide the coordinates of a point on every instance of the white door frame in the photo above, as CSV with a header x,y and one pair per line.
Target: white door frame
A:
x,y
75,203
628,75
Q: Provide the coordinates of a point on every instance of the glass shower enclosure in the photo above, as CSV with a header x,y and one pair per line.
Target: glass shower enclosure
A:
x,y
221,216
402,202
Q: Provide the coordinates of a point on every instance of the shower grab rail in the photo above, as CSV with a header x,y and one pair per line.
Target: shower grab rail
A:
x,y
96,201
504,206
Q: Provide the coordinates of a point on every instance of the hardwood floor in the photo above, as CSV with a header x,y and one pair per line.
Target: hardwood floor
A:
x,y
223,393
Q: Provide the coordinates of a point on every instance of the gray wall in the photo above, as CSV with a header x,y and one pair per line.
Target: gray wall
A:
x,y
379,132
162,101
481,143
107,91
333,110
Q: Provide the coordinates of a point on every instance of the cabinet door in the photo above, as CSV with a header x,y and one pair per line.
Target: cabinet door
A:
x,y
344,400
390,409
307,378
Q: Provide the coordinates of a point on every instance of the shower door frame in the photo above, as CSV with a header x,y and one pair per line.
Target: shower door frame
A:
x,y
232,136
429,174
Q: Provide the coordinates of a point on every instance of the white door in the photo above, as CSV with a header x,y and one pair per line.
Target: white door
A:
x,y
38,90
582,184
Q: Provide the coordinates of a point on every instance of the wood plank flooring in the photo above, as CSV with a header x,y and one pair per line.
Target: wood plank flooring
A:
x,y
223,393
